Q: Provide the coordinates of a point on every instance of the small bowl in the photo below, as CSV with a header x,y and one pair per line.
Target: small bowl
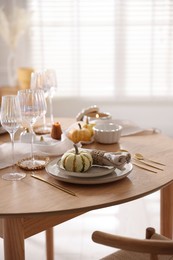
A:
x,y
107,133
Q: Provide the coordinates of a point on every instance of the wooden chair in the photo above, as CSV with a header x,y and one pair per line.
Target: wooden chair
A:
x,y
154,247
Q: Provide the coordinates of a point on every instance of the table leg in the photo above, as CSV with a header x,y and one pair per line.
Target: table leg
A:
x,y
49,244
166,211
13,239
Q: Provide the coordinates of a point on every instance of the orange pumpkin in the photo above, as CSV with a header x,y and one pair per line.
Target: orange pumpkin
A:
x,y
89,126
80,134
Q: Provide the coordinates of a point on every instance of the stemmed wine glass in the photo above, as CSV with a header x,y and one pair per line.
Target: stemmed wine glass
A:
x,y
38,82
33,107
11,121
50,82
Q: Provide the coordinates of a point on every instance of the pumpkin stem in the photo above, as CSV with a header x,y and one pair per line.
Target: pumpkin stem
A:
x,y
87,120
80,127
76,149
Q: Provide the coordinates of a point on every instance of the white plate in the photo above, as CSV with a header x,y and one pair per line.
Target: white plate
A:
x,y
94,171
131,130
128,127
116,175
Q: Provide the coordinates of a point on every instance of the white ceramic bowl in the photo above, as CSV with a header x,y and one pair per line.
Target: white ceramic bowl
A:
x,y
107,133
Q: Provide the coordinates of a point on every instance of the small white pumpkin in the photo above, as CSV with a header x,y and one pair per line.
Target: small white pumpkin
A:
x,y
76,160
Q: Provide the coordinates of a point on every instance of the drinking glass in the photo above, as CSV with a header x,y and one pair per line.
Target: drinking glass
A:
x,y
50,82
38,82
11,121
33,107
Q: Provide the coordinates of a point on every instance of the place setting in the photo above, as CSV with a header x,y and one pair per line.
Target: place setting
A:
x,y
59,150
87,166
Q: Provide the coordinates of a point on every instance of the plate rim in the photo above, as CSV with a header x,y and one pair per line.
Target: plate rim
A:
x,y
112,177
85,174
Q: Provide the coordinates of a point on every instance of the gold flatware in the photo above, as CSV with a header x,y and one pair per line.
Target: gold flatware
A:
x,y
139,156
148,164
54,184
144,168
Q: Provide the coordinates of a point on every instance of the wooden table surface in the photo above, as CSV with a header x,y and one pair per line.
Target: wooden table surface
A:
x,y
30,206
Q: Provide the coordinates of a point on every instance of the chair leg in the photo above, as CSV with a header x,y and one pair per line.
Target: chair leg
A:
x,y
49,244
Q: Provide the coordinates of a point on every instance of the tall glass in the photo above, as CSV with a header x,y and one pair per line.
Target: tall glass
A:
x,y
50,81
11,121
38,82
33,107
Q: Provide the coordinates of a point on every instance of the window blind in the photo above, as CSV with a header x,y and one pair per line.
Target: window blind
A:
x,y
104,48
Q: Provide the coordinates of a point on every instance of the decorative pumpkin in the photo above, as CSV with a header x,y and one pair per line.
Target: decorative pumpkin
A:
x,y
89,126
81,134
76,161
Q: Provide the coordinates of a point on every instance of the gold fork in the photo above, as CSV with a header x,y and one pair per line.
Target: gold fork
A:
x,y
53,184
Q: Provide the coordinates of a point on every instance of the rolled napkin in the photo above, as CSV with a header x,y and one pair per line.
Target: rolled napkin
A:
x,y
117,159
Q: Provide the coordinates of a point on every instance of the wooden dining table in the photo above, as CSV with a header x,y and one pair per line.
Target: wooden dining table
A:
x,y
30,206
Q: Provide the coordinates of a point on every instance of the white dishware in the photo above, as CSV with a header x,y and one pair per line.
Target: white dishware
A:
x,y
33,107
116,175
93,172
107,133
11,121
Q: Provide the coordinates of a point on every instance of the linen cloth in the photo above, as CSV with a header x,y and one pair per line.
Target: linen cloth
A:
x,y
48,147
117,159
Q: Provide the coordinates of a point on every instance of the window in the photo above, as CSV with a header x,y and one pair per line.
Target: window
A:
x,y
105,48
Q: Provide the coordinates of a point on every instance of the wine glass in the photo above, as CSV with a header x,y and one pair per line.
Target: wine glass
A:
x,y
38,82
50,82
33,107
11,121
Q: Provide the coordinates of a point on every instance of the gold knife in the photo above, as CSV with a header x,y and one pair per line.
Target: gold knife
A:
x,y
54,184
142,167
148,164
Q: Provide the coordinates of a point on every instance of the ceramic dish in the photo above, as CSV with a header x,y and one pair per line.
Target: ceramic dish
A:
x,y
116,175
128,127
93,172
107,133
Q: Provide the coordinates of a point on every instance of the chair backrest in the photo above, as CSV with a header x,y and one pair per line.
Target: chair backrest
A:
x,y
154,244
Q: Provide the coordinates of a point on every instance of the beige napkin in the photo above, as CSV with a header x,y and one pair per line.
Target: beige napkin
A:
x,y
23,150
118,159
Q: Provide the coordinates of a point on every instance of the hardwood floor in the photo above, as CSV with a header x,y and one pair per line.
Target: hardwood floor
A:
x,y
73,239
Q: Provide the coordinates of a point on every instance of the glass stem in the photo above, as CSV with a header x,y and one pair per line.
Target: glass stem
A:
x,y
44,121
32,141
51,110
12,149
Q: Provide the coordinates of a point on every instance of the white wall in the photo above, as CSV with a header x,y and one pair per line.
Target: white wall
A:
x,y
146,114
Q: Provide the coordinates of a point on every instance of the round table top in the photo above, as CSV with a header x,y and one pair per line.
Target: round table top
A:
x,y
30,196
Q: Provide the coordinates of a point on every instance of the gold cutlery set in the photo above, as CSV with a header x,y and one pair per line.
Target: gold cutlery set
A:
x,y
140,161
